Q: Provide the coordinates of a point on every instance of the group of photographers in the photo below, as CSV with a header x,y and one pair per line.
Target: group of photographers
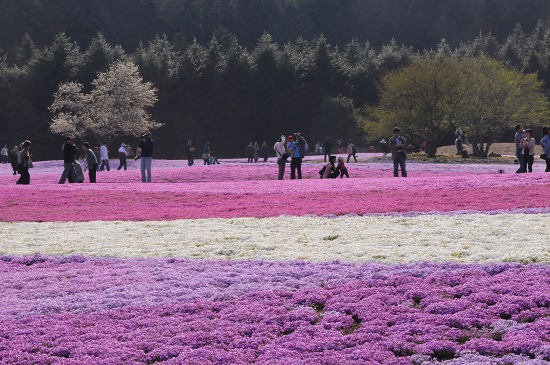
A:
x,y
293,147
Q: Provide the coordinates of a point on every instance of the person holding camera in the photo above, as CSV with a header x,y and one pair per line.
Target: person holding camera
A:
x,y
282,155
297,150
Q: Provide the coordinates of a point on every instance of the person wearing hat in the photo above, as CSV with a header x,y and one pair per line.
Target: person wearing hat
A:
x,y
122,154
69,153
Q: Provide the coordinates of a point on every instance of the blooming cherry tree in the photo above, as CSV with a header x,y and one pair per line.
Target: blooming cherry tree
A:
x,y
117,104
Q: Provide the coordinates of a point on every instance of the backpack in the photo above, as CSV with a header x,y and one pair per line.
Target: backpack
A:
x,y
353,150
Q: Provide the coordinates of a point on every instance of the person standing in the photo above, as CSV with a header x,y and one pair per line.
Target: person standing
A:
x,y
249,152
69,153
91,161
4,154
14,155
24,159
352,151
519,151
282,155
327,148
397,145
296,149
190,150
545,143
206,153
146,147
104,153
528,146
340,144
264,151
256,154
122,157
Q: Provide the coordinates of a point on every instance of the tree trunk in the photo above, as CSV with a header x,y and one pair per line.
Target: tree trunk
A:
x,y
479,150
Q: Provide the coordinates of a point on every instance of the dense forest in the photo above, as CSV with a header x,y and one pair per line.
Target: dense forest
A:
x,y
233,71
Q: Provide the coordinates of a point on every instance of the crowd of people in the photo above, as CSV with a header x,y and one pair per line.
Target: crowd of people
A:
x,y
293,147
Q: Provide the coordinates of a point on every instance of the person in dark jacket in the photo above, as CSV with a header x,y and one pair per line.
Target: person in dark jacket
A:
x,y
25,158
146,147
69,153
327,148
91,161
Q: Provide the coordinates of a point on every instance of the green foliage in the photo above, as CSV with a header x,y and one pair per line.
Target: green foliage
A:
x,y
480,96
230,87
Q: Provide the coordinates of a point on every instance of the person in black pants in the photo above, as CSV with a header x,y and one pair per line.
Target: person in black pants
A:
x,y
327,148
190,150
25,178
69,152
91,161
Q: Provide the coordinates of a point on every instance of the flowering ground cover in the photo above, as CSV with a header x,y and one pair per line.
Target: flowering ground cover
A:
x,y
224,265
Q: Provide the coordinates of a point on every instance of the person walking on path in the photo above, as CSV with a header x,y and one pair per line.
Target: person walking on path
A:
x,y
24,160
352,151
282,155
122,155
519,151
14,156
545,143
327,148
398,145
190,150
528,146
69,153
4,154
91,161
104,153
146,147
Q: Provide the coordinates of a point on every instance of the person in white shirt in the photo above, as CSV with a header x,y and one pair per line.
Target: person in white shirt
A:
x,y
122,154
282,156
4,154
104,153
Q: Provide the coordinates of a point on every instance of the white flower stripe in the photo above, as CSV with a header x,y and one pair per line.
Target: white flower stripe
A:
x,y
468,238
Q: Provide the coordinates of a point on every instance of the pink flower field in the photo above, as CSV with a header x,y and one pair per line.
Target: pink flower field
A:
x,y
89,307
249,190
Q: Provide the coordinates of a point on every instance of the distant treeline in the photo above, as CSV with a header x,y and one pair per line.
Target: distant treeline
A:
x,y
419,23
228,94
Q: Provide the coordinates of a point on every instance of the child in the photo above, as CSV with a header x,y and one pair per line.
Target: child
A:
x,y
342,167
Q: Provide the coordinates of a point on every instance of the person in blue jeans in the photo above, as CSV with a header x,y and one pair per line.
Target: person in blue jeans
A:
x,y
296,147
398,145
146,146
